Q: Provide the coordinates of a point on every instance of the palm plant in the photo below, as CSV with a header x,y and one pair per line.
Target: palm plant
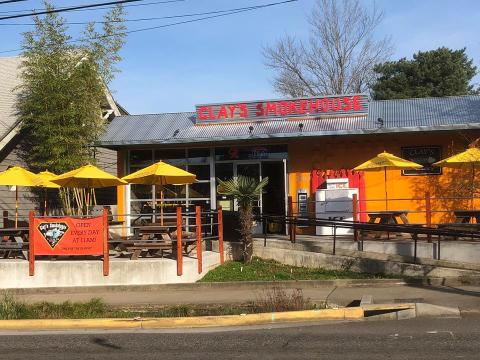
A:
x,y
245,190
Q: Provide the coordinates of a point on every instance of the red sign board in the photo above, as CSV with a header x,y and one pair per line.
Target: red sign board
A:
x,y
68,236
339,105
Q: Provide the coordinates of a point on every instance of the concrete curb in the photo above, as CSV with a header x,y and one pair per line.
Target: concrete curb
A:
x,y
374,311
408,311
353,313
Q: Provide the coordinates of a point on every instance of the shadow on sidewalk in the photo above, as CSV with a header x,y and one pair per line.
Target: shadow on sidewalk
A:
x,y
446,289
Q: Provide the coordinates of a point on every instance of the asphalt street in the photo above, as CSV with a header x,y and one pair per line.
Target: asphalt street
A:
x,y
405,339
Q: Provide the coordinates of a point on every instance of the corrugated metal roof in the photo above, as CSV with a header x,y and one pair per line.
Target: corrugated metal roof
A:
x,y
448,113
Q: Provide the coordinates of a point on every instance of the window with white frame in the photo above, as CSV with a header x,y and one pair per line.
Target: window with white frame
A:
x,y
145,199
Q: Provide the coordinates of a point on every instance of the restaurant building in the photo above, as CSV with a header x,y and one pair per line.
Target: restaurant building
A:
x,y
299,144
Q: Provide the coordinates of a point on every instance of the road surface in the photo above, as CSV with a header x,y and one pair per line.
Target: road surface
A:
x,y
408,339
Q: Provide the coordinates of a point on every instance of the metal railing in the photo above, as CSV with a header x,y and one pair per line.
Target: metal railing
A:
x,y
414,230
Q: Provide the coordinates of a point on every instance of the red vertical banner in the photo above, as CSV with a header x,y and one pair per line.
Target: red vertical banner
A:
x,y
220,234
198,230
179,241
31,244
106,253
355,215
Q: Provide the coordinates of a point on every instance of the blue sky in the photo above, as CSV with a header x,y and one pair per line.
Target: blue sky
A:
x,y
220,59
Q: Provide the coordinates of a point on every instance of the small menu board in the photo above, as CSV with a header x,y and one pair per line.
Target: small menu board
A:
x,y
423,155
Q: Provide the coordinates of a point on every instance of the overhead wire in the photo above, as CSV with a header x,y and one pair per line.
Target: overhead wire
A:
x,y
11,1
96,8
140,19
71,8
257,7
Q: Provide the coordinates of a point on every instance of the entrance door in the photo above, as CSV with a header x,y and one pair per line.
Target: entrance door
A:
x,y
252,170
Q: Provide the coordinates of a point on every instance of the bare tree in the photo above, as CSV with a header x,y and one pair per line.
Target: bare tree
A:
x,y
338,58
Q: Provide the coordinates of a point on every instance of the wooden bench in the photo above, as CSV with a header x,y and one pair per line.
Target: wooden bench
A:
x,y
9,248
141,246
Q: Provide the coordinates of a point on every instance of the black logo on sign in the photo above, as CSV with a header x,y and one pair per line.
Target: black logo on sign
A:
x,y
53,232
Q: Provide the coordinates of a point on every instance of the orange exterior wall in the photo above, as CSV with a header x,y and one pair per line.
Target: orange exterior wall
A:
x,y
346,152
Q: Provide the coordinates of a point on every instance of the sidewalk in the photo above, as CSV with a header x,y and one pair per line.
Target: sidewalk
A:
x,y
465,297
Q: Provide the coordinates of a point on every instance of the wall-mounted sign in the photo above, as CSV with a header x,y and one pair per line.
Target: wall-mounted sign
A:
x,y
423,155
68,236
339,105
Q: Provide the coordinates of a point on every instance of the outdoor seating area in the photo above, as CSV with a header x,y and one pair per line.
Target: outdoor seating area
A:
x,y
81,232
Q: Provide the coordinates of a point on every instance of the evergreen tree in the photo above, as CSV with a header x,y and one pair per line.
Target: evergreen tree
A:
x,y
62,94
440,72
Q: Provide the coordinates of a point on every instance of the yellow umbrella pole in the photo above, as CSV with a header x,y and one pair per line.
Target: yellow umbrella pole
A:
x,y
88,199
45,203
473,186
16,206
385,184
161,206
154,207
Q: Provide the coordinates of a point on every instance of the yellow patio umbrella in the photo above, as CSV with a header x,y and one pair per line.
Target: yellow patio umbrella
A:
x,y
17,176
87,177
468,157
161,174
43,181
387,161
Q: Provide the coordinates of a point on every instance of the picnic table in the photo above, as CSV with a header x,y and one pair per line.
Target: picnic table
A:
x,y
466,216
155,237
13,241
390,217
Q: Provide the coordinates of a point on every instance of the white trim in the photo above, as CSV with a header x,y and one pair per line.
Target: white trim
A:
x,y
8,137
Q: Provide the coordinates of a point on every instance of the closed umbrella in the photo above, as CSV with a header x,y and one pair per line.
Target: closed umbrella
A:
x,y
387,161
469,157
87,177
17,176
161,174
43,181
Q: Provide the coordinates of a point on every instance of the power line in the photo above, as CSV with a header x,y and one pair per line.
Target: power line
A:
x,y
257,7
98,8
140,19
10,1
71,8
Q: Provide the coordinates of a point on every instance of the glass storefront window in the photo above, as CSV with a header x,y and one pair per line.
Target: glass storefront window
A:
x,y
260,152
198,156
204,204
202,171
141,191
172,156
140,159
169,207
224,171
171,192
199,190
196,161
